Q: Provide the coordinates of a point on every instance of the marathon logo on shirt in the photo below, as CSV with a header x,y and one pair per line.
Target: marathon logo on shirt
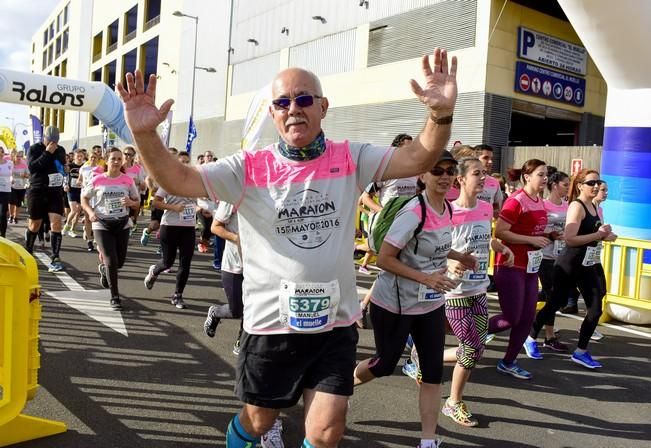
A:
x,y
478,238
308,219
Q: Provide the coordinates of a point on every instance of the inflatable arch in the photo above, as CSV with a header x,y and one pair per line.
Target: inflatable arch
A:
x,y
7,137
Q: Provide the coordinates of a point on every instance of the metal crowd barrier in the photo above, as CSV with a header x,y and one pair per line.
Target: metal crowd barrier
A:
x,y
20,312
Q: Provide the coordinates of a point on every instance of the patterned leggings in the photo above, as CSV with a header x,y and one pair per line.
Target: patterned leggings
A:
x,y
468,317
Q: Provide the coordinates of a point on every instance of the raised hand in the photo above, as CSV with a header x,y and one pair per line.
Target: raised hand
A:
x,y
440,90
140,109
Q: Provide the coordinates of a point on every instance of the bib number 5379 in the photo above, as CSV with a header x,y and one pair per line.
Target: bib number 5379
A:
x,y
308,305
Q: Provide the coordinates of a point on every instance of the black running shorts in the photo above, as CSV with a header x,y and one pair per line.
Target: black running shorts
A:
x,y
42,201
273,370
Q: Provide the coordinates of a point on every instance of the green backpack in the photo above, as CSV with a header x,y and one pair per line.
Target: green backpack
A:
x,y
384,219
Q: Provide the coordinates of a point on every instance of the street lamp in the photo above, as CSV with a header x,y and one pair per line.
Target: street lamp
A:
x,y
194,63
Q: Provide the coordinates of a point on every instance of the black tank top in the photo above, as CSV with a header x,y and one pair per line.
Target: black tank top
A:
x,y
589,224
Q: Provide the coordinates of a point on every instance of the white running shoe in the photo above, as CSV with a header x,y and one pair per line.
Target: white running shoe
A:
x,y
274,437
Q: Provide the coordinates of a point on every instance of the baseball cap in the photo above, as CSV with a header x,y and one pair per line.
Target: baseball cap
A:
x,y
52,134
446,155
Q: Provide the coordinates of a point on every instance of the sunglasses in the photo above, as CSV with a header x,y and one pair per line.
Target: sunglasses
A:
x,y
301,101
438,171
130,154
592,183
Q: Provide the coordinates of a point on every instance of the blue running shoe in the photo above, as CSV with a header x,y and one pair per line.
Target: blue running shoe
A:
x,y
531,347
144,238
412,371
585,360
513,369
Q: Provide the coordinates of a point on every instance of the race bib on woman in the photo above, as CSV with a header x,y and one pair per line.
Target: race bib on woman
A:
x,y
307,307
535,259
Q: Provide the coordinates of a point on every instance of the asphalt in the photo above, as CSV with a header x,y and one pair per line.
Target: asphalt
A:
x,y
165,384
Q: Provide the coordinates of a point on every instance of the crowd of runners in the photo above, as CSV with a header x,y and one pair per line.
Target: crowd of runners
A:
x,y
431,219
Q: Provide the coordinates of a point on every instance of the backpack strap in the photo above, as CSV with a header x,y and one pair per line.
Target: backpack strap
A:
x,y
423,216
449,207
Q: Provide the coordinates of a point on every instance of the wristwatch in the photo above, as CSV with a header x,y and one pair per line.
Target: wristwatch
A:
x,y
441,120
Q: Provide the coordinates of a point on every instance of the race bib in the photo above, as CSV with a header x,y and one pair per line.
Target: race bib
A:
x,y
5,183
114,206
535,258
18,183
592,255
427,294
55,180
189,213
307,307
559,245
481,272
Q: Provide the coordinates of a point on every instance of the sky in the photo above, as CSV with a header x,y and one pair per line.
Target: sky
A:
x,y
20,19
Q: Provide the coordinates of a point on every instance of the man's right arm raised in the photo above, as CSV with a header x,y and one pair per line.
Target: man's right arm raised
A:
x,y
143,117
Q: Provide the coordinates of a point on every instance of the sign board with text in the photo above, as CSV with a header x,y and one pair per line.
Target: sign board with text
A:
x,y
549,84
551,51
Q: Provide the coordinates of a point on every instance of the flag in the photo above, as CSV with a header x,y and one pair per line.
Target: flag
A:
x,y
166,128
192,134
37,129
256,117
74,146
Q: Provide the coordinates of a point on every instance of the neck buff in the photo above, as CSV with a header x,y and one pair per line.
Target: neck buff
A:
x,y
309,152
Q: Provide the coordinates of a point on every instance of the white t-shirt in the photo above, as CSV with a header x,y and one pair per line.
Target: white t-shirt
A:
x,y
296,223
396,187
231,259
434,242
6,170
492,192
556,215
187,218
18,182
471,231
106,193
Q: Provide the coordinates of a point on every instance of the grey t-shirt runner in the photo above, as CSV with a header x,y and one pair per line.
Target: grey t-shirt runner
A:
x,y
187,218
231,259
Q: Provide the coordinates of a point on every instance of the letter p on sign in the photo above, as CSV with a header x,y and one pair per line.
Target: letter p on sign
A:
x,y
528,41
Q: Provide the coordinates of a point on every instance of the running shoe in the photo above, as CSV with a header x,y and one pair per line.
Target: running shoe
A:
x,y
55,265
596,336
364,270
159,251
72,234
585,360
90,245
459,413
210,325
236,348
116,303
170,270
412,371
202,248
513,369
66,229
144,238
489,338
531,347
274,437
103,278
555,345
150,279
177,301
570,309
217,266
437,444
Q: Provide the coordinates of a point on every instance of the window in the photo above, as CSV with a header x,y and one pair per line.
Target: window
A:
x,y
58,46
64,68
50,54
109,74
45,38
149,58
65,14
95,76
97,47
152,13
112,37
59,20
44,60
57,70
51,31
129,62
64,46
130,24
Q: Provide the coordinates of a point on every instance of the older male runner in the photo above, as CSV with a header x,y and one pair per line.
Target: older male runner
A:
x,y
296,201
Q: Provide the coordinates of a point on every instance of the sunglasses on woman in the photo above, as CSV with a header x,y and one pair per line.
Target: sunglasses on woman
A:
x,y
301,101
438,171
592,183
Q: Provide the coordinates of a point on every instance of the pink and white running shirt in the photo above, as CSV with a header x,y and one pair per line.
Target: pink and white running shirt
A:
x,y
18,182
434,243
556,215
394,188
492,192
296,226
471,231
6,170
137,173
105,193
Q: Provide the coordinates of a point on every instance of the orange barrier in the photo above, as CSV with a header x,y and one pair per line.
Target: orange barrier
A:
x,y
20,312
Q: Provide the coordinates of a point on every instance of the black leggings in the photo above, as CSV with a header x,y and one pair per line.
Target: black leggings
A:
x,y
206,222
113,246
233,289
4,212
546,276
391,331
173,238
591,282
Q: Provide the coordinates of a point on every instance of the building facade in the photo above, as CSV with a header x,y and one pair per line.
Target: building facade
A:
x,y
365,52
